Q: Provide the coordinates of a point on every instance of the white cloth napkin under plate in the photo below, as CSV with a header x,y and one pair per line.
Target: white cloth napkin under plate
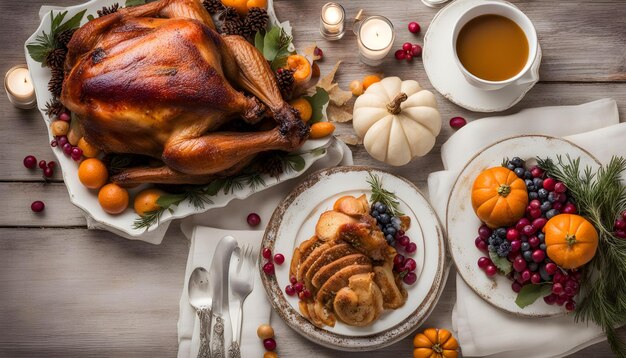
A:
x,y
482,329
231,220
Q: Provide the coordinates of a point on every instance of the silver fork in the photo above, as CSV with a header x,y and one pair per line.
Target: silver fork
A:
x,y
242,283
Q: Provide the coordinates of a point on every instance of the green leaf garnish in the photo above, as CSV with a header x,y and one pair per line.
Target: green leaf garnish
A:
x,y
318,101
530,293
44,43
274,45
502,264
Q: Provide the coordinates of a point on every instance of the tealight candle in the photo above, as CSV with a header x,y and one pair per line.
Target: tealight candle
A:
x,y
331,21
375,38
19,87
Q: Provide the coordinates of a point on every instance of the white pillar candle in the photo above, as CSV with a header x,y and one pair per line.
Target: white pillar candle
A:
x,y
376,37
19,87
332,21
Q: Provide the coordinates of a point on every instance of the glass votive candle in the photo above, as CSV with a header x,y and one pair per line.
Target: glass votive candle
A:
x,y
19,87
332,21
375,38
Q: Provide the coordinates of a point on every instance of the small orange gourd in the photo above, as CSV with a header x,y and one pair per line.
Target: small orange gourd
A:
x,y
435,343
571,240
499,197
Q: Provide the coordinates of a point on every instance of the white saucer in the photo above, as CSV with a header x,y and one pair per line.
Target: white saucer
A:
x,y
446,77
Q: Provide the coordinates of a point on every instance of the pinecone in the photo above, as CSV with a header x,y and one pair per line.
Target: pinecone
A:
x,y
54,108
108,10
213,6
56,82
234,27
64,37
256,20
271,163
286,82
56,58
229,13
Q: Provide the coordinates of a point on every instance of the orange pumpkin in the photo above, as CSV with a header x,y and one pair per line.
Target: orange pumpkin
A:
x,y
571,240
499,197
435,343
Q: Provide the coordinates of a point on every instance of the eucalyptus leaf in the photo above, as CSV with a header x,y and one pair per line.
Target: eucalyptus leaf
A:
x,y
167,200
259,41
530,293
271,43
296,162
72,23
318,101
502,263
38,52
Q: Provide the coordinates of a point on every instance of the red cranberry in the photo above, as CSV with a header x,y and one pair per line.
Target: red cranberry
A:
x,y
298,287
414,27
279,259
48,172
416,50
480,244
562,197
511,256
535,278
516,245
30,161
43,164
516,287
62,140
569,291
536,172
484,231
407,46
535,204
293,280
269,344
519,264
410,265
526,275
557,288
398,260
534,241
37,206
410,278
457,122
268,268
569,208
253,219
400,55
621,234
491,270
560,300
67,148
559,277
538,255
549,183
550,299
570,305
560,187
620,224
512,234
557,205
318,52
539,223
267,253
624,214
289,290
64,117
305,293
551,268
408,57
528,230
411,248
400,233
483,262
52,164
54,143
403,240
521,223
535,214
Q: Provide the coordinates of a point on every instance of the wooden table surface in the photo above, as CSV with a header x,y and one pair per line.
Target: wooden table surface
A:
x,y
67,291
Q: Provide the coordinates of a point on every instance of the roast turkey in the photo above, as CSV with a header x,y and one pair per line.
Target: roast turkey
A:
x,y
158,80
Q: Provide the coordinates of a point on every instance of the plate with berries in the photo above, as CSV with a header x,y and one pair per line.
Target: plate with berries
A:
x,y
514,231
361,258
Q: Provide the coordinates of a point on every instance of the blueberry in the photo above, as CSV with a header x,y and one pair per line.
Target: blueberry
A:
x,y
517,161
545,206
380,226
552,197
382,208
544,274
525,246
389,238
528,255
384,218
543,193
533,266
391,230
538,182
528,174
552,213
531,188
375,214
542,237
498,241
533,195
543,247
510,166
377,205
519,172
396,223
392,243
503,249
501,232
528,182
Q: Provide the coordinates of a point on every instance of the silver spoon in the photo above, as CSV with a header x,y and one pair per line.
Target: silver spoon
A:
x,y
200,298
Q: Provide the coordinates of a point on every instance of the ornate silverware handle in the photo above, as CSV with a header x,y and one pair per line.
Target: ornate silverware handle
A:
x,y
217,346
233,351
205,316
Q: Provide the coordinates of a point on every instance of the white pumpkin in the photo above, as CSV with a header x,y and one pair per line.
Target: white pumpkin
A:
x,y
397,120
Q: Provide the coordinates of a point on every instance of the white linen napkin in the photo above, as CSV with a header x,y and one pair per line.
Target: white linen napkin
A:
x,y
482,329
231,220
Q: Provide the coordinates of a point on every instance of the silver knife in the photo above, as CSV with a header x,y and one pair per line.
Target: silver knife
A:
x,y
219,275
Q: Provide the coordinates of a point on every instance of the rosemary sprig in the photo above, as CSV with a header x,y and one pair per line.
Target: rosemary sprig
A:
x,y
380,194
600,198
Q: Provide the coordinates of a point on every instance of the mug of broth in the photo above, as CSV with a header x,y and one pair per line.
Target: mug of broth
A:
x,y
495,45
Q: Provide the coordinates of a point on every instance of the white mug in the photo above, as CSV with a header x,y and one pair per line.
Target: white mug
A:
x,y
513,13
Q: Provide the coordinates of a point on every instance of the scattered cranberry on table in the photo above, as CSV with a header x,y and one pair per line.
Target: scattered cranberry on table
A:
x,y
457,122
30,161
408,51
318,52
414,27
254,219
37,206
